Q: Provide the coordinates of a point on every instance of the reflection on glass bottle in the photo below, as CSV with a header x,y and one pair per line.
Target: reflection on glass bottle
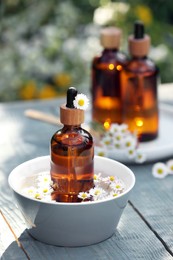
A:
x,y
106,94
139,87
72,154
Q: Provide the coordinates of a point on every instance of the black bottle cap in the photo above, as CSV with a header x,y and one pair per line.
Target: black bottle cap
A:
x,y
71,94
138,30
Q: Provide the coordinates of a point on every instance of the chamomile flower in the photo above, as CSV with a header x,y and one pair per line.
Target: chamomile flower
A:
x,y
97,178
44,178
117,186
159,170
83,195
131,153
38,196
97,193
106,141
100,151
169,165
118,137
123,128
118,144
140,156
129,142
81,102
115,128
30,191
113,194
45,190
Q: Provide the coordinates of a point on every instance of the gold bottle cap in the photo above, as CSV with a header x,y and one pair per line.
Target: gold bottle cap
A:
x,y
71,116
110,37
139,47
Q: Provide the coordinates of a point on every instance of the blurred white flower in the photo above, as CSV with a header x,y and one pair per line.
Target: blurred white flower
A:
x,y
169,165
114,128
159,170
159,53
129,142
106,141
100,151
111,11
131,153
140,156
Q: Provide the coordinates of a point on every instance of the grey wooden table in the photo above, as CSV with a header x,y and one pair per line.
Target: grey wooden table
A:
x,y
145,230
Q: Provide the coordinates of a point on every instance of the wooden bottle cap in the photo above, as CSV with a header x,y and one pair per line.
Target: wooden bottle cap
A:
x,y
139,47
110,37
71,116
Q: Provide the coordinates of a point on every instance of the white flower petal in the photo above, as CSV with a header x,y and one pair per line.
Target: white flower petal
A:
x,y
81,102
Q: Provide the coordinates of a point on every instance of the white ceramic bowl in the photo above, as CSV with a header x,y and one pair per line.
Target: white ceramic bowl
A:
x,y
71,224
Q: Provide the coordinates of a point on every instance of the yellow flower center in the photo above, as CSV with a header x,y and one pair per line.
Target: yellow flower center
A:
x,y
101,154
84,196
112,178
81,102
159,171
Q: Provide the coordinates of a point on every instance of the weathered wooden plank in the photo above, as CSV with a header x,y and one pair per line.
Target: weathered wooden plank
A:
x,y
153,198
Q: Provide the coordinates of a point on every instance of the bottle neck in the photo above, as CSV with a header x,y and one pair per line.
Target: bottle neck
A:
x,y
133,57
107,50
72,127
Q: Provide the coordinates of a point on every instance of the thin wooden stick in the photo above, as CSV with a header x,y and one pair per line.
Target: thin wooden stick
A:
x,y
38,115
16,238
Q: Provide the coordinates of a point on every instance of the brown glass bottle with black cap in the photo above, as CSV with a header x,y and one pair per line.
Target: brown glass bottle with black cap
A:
x,y
139,87
106,68
72,154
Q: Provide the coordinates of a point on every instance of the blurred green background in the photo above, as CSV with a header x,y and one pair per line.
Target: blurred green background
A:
x,y
48,45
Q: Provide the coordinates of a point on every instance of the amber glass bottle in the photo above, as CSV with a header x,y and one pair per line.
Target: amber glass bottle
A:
x,y
106,99
139,87
72,154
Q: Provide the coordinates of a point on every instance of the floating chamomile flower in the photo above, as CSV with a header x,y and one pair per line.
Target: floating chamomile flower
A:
x,y
114,194
97,193
169,165
83,195
159,170
117,186
44,178
81,102
30,191
97,178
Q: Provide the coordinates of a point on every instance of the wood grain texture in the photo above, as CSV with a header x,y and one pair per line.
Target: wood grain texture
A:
x,y
22,139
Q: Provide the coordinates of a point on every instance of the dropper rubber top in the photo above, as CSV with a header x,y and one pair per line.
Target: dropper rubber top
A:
x,y
69,115
138,30
139,42
71,94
